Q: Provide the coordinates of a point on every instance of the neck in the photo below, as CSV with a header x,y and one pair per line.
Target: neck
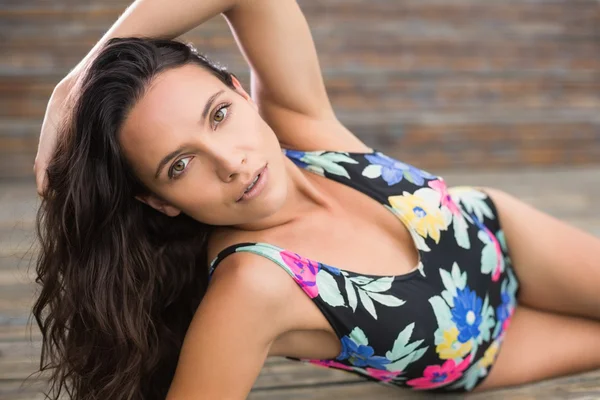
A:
x,y
306,196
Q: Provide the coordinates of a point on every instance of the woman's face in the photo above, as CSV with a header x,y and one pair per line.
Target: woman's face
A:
x,y
197,144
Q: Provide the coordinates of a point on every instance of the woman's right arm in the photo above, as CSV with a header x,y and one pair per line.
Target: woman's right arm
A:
x,y
246,307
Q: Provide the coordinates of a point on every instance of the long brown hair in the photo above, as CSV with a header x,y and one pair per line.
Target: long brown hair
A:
x,y
119,280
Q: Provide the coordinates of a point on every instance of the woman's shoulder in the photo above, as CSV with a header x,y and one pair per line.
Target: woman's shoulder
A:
x,y
222,244
249,273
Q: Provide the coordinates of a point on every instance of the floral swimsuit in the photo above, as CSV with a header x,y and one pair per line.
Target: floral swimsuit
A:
x,y
438,327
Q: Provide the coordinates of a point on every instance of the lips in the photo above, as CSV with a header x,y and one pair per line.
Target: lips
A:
x,y
258,172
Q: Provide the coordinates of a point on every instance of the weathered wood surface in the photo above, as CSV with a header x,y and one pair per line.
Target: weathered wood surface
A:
x,y
571,194
443,83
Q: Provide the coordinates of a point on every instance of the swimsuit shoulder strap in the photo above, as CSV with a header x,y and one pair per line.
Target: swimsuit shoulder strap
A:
x,y
302,270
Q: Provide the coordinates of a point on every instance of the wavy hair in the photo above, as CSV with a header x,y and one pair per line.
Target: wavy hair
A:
x,y
119,280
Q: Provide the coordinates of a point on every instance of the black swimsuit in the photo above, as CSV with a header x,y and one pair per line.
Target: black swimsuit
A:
x,y
438,327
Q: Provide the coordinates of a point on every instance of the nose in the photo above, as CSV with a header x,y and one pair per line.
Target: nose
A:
x,y
229,165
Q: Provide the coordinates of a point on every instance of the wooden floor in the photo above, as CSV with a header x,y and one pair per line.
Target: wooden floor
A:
x,y
571,194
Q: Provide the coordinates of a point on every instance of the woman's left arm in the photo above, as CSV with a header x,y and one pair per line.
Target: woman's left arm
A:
x,y
273,36
275,39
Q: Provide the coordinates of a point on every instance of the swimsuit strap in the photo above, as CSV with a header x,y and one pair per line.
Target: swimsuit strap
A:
x,y
302,270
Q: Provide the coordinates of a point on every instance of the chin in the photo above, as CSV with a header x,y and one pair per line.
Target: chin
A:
x,y
271,203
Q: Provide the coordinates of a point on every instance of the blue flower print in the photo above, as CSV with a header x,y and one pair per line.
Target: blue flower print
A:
x,y
361,355
333,270
393,171
503,310
466,314
295,156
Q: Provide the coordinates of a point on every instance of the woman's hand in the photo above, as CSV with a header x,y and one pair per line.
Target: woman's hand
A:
x,y
56,110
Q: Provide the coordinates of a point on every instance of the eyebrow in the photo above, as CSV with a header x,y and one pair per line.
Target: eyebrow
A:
x,y
175,152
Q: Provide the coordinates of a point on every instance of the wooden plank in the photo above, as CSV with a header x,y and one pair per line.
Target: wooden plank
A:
x,y
407,55
281,375
27,98
583,386
435,140
17,390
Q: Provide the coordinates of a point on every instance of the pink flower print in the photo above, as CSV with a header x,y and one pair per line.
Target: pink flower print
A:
x,y
435,376
331,363
506,323
305,272
382,374
446,200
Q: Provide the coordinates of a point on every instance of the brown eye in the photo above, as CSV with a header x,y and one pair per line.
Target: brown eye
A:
x,y
221,113
179,167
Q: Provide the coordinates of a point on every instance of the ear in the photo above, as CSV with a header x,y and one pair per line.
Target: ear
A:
x,y
240,90
159,205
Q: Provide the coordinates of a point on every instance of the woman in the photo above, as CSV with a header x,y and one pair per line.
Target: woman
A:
x,y
190,230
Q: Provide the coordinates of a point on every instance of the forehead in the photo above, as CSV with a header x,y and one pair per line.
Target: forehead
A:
x,y
173,97
168,111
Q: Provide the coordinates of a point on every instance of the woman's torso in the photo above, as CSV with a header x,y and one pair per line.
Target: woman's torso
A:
x,y
406,281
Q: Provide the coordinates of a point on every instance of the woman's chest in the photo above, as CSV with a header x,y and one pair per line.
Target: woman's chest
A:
x,y
360,235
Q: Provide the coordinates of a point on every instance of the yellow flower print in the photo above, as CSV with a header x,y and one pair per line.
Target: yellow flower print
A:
x,y
451,348
424,216
490,355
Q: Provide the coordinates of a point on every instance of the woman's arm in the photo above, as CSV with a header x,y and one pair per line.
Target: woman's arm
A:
x,y
245,309
287,83
275,39
166,19
273,35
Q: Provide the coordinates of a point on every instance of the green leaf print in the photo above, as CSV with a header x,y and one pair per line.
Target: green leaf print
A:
x,y
409,176
368,290
358,336
512,284
452,281
329,290
460,279
402,363
398,349
352,300
372,171
473,201
401,347
386,299
367,303
379,285
502,239
488,258
361,280
450,291
442,315
460,232
323,161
